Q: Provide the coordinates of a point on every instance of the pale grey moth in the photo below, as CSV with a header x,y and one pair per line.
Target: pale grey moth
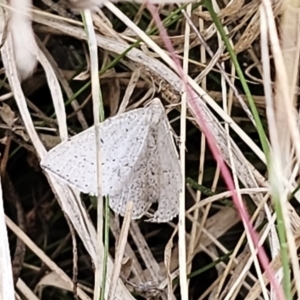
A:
x,y
139,162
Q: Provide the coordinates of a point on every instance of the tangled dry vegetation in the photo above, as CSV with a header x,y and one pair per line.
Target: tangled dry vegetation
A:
x,y
52,235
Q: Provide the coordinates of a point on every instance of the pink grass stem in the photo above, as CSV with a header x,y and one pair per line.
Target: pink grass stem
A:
x,y
217,154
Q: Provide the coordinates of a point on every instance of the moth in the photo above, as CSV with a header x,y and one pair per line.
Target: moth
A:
x,y
139,162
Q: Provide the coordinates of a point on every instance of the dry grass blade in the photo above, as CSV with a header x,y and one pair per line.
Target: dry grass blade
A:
x,y
56,94
120,251
129,90
273,133
100,281
64,83
25,290
181,222
155,273
135,267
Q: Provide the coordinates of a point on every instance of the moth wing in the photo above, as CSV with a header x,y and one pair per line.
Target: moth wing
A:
x,y
122,138
68,161
143,186
170,177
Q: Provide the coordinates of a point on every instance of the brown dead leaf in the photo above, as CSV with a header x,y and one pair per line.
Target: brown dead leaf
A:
x,y
7,115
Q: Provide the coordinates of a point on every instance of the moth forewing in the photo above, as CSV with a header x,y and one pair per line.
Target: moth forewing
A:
x,y
170,173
